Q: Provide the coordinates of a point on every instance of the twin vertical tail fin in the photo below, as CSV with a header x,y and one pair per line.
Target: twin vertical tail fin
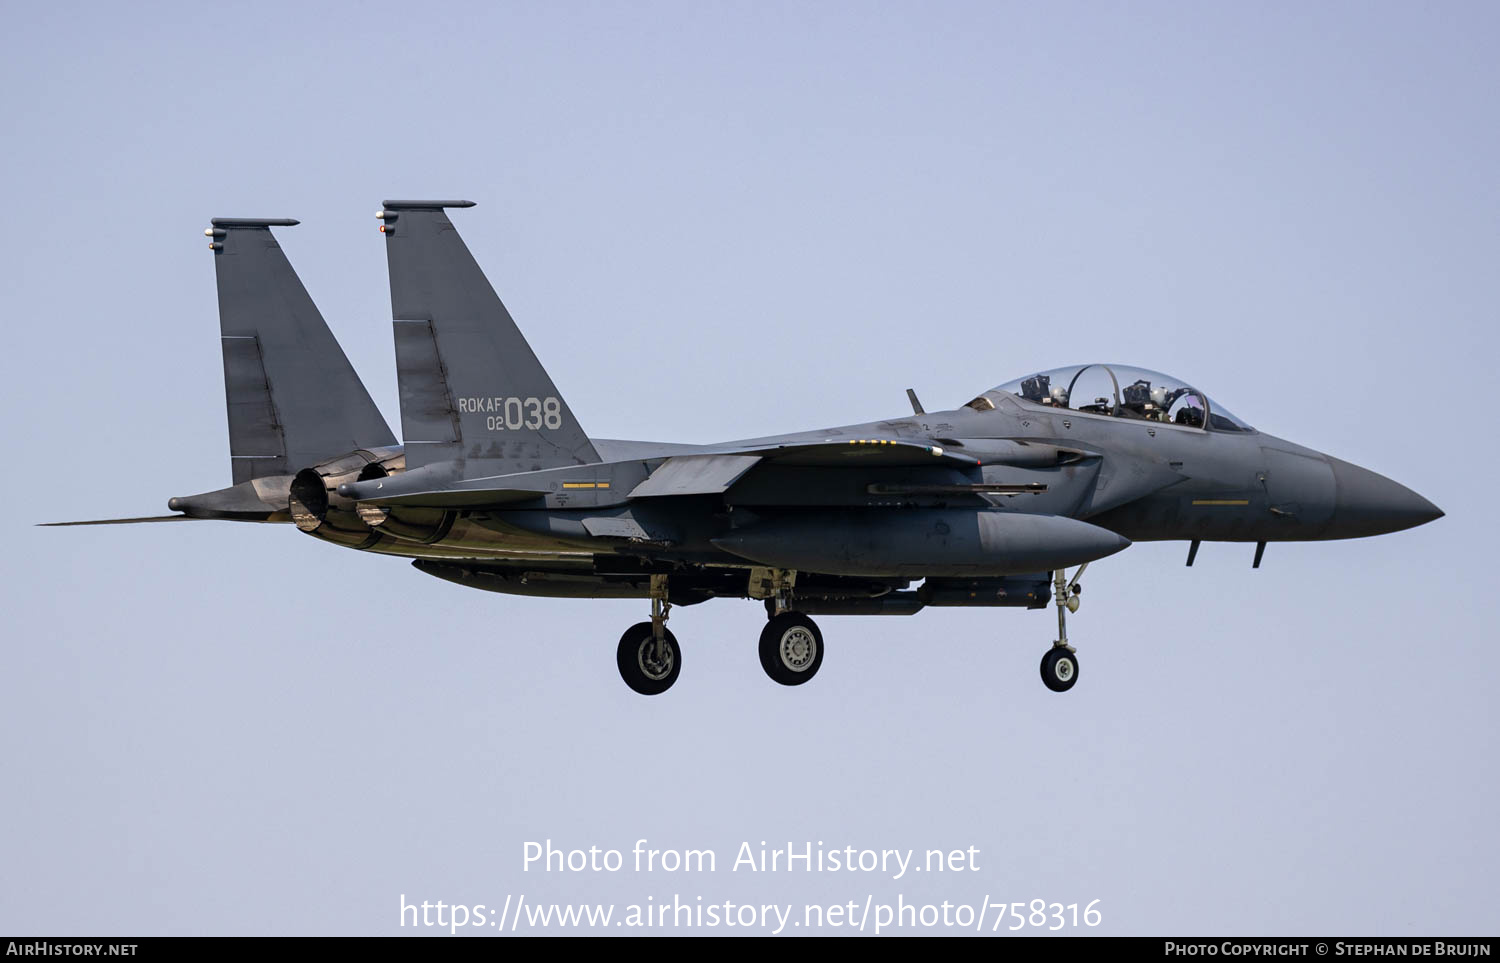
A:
x,y
475,402
294,400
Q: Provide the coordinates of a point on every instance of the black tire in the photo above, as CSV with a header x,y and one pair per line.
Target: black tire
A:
x,y
636,667
791,648
1059,669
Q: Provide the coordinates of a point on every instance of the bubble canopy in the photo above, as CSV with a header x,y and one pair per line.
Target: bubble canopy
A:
x,y
1122,391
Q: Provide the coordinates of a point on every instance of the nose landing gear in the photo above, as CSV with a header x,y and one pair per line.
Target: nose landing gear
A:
x,y
1060,663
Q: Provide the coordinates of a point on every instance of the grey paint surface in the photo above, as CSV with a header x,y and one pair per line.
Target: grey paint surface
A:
x,y
293,398
695,475
1236,199
462,362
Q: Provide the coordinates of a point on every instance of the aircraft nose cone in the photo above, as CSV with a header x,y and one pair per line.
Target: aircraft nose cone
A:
x,y
1366,503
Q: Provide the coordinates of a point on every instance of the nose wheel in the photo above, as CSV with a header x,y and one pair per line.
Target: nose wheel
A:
x,y
1060,663
1059,668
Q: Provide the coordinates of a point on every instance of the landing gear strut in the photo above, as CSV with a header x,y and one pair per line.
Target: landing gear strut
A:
x,y
1060,664
648,656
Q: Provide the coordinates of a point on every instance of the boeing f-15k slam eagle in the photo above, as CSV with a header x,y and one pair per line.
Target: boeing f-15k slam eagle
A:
x,y
498,487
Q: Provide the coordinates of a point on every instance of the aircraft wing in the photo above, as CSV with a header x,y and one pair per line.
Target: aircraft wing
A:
x,y
712,473
703,472
854,452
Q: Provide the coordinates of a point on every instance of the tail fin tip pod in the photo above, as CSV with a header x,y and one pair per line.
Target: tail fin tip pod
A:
x,y
418,205
293,398
473,394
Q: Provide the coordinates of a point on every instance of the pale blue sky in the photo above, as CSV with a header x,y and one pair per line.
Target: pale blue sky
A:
x,y
724,220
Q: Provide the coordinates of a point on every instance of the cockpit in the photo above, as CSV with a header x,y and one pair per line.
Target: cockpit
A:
x,y
1120,391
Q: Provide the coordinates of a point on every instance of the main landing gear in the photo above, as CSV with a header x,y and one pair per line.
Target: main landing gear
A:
x,y
791,648
649,656
791,645
1060,664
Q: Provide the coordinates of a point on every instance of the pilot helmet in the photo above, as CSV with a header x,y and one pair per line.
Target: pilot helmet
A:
x,y
1060,396
1159,396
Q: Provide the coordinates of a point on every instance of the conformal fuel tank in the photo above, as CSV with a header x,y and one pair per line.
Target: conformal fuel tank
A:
x,y
918,542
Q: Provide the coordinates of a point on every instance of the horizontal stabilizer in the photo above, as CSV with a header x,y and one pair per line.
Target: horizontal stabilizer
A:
x,y
256,500
122,521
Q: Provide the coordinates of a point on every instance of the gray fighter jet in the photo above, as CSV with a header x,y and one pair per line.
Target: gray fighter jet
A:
x,y
498,487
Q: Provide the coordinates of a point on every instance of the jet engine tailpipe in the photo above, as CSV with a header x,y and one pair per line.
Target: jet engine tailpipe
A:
x,y
319,509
